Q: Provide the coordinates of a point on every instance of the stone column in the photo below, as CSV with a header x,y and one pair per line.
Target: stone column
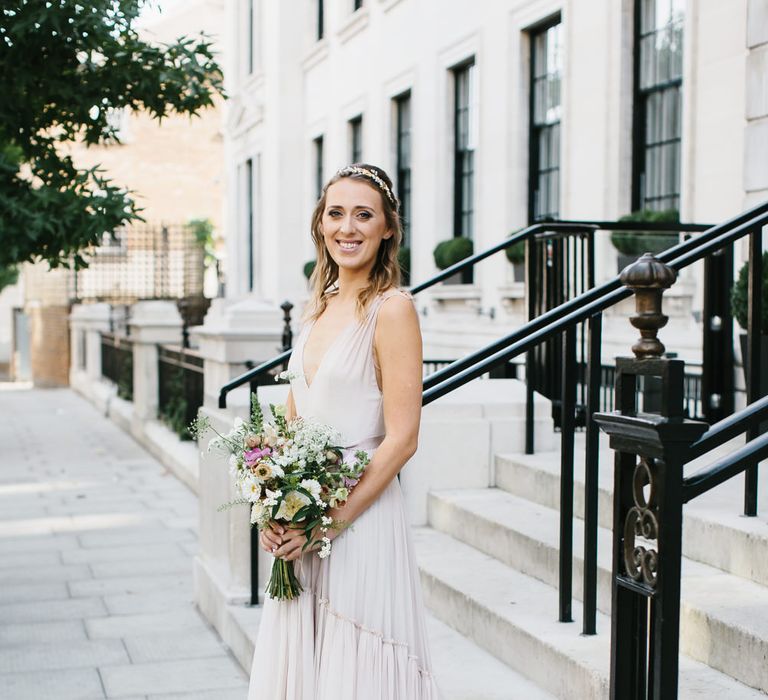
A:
x,y
86,324
152,322
233,332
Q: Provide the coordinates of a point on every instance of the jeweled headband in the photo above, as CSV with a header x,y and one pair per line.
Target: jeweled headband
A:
x,y
371,175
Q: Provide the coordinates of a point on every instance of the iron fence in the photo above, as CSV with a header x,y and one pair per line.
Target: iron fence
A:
x,y
180,387
117,363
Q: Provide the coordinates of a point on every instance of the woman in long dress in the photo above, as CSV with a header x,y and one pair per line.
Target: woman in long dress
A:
x,y
357,631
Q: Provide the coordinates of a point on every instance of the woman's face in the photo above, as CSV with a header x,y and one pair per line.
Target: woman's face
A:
x,y
353,224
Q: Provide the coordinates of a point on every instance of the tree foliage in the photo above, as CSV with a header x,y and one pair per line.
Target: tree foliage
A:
x,y
65,67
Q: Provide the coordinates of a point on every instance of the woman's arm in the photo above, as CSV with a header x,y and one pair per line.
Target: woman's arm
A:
x,y
397,342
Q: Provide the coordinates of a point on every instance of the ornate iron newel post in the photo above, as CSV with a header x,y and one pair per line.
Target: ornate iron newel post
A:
x,y
648,505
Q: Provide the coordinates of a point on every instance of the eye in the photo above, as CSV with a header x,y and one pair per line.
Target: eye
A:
x,y
334,213
365,215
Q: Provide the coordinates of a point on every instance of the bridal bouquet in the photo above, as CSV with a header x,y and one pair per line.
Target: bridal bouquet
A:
x,y
289,471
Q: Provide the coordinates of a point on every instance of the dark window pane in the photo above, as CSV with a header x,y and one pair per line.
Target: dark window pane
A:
x,y
546,73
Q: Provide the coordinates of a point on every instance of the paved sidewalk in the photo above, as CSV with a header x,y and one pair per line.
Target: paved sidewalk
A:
x,y
96,547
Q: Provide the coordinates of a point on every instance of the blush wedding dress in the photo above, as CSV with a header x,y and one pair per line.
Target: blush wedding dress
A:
x,y
357,631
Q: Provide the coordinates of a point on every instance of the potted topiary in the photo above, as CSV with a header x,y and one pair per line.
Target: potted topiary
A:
x,y
632,244
450,252
739,308
516,255
309,268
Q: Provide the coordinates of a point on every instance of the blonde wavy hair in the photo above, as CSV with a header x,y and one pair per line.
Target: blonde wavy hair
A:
x,y
385,272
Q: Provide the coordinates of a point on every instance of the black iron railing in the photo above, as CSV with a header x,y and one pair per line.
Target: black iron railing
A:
x,y
563,322
117,363
650,491
180,387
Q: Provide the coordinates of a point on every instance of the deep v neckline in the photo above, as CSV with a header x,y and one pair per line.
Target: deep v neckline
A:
x,y
354,322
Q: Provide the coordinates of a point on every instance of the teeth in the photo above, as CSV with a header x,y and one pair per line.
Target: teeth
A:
x,y
349,245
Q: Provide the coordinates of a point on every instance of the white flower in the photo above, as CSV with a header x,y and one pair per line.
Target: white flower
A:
x,y
259,514
326,520
291,504
313,486
325,550
250,488
272,496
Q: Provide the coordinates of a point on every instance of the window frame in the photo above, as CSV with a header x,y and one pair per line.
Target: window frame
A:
x,y
640,98
355,125
403,169
536,130
463,158
318,145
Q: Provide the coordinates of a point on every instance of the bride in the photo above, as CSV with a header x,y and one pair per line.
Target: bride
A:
x,y
357,631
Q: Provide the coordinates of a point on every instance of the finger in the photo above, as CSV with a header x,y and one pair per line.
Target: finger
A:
x,y
272,538
277,527
268,543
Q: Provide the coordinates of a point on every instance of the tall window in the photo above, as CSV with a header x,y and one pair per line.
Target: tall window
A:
x,y
249,211
356,139
545,108
251,36
403,126
320,20
318,145
658,104
465,128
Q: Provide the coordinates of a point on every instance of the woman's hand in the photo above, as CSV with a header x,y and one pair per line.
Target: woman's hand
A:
x,y
294,539
272,537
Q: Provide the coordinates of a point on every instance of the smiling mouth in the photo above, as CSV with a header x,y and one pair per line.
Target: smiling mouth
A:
x,y
349,245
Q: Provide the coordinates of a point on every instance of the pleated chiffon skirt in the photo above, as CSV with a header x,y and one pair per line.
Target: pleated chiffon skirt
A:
x,y
357,631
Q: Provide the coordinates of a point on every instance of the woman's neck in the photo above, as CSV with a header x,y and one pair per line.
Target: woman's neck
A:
x,y
350,282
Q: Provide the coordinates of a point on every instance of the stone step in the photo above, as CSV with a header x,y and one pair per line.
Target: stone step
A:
x,y
513,616
714,533
723,621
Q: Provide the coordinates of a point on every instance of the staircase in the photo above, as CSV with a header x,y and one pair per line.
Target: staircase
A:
x,y
489,568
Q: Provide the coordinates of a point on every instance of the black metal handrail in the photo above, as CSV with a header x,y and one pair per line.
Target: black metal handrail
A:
x,y
737,462
580,308
729,428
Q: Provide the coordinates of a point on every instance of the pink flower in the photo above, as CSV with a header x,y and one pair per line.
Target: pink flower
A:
x,y
253,456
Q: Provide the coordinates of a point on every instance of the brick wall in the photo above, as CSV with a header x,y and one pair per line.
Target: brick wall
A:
x,y
49,344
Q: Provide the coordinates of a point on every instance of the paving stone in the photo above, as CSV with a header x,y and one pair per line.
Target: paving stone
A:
x,y
237,693
84,654
135,535
37,543
172,677
130,584
168,647
22,592
177,564
40,611
44,573
19,560
144,623
128,553
66,684
130,603
41,632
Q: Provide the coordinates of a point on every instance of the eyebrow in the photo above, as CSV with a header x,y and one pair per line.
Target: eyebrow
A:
x,y
357,206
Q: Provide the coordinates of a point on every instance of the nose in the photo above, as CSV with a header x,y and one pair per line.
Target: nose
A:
x,y
346,225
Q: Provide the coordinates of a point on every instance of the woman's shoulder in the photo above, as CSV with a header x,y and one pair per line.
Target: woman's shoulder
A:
x,y
395,305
